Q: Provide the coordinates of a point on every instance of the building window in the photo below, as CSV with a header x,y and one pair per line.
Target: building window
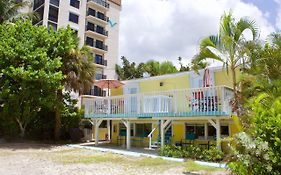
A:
x,y
98,59
91,12
100,29
73,18
101,15
91,26
142,130
90,41
99,44
52,25
55,2
40,12
53,14
75,3
38,3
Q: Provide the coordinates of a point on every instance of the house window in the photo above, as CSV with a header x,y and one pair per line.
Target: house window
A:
x,y
194,131
73,18
123,130
142,130
212,131
75,3
103,124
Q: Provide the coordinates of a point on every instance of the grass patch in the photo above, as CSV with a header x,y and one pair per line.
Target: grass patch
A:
x,y
84,159
192,166
153,162
72,150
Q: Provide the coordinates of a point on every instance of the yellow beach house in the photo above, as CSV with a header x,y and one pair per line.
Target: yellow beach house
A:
x,y
179,108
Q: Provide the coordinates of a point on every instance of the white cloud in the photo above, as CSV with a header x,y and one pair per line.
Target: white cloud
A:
x,y
278,18
166,29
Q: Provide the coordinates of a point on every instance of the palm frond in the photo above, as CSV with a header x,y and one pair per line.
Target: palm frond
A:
x,y
242,25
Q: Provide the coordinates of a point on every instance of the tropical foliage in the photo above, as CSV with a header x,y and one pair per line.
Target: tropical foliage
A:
x,y
10,10
228,46
193,152
258,150
131,70
35,66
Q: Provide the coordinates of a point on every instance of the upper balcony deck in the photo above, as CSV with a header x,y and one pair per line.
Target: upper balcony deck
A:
x,y
208,101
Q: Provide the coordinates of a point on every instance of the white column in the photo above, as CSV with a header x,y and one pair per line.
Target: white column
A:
x,y
162,129
109,106
97,124
206,131
218,131
108,130
128,134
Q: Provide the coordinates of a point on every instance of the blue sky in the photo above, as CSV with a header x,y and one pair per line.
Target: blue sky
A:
x,y
267,6
166,29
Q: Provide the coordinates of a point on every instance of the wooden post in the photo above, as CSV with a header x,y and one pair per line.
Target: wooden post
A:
x,y
206,131
217,125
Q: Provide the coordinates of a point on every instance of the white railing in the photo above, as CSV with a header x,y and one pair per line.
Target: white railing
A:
x,y
150,137
196,101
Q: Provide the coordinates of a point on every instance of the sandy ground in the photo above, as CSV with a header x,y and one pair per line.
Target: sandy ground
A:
x,y
37,159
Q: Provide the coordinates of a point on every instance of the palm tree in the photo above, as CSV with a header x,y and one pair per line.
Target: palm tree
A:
x,y
77,67
10,10
228,46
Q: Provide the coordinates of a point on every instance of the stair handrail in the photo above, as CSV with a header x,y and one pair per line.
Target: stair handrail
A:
x,y
150,137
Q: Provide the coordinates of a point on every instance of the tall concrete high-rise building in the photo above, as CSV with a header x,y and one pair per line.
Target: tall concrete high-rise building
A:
x,y
96,23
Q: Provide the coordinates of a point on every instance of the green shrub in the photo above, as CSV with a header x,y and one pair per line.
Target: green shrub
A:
x,y
192,152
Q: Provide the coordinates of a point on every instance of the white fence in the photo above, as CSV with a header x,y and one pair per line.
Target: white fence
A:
x,y
200,101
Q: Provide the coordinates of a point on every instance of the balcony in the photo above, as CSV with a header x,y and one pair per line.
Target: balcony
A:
x,y
92,29
97,46
100,3
97,17
204,102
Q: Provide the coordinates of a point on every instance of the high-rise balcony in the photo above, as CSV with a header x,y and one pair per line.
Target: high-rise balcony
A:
x,y
98,45
101,3
99,30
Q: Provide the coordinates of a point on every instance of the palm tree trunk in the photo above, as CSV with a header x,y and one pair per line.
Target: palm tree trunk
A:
x,y
236,97
58,116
